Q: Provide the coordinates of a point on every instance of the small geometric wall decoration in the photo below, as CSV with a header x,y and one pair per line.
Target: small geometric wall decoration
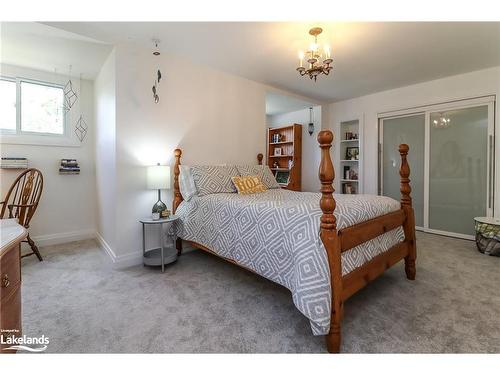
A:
x,y
70,96
81,128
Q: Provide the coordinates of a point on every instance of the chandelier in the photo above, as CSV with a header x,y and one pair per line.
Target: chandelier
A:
x,y
442,123
318,61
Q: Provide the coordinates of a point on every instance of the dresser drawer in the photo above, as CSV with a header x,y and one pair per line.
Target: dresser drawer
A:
x,y
10,316
10,271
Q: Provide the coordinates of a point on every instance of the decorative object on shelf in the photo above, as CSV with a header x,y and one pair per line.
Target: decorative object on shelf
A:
x,y
349,136
314,57
158,177
70,96
347,171
69,166
276,164
442,123
351,153
81,128
156,52
277,151
348,189
283,177
290,164
310,127
14,163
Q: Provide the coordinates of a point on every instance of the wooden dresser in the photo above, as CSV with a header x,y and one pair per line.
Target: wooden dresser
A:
x,y
11,235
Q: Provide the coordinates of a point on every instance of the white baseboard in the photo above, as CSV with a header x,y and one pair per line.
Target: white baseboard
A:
x,y
118,261
60,238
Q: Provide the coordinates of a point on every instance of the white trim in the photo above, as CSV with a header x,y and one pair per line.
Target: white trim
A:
x,y
447,104
427,167
118,261
60,238
450,234
21,137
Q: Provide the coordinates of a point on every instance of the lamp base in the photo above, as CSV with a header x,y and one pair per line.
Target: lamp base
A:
x,y
161,209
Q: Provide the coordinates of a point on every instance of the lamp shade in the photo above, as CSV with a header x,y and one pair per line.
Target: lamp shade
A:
x,y
158,177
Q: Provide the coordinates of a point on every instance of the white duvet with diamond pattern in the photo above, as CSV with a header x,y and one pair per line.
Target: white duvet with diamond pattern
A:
x,y
276,234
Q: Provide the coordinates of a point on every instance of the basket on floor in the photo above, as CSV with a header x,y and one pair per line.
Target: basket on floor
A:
x,y
488,238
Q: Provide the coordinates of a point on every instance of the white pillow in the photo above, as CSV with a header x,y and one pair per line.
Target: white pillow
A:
x,y
186,183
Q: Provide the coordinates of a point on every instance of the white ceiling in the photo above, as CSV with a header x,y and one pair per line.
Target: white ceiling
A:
x,y
368,57
277,104
37,46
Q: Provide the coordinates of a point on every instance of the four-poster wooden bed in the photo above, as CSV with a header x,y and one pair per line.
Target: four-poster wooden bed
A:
x,y
337,242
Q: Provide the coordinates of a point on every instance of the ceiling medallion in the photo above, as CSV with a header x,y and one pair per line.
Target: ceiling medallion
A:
x,y
318,61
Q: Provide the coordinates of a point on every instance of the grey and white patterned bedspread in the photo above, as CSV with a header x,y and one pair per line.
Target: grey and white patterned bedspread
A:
x,y
276,234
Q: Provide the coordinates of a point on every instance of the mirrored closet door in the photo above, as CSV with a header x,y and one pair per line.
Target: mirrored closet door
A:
x,y
451,160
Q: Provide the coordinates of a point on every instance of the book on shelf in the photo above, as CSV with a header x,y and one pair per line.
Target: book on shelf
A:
x,y
69,166
10,162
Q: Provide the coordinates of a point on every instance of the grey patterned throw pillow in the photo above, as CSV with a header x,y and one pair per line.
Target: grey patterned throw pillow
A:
x,y
211,179
262,171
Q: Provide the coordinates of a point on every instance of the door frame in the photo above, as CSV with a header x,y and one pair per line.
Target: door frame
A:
x,y
426,110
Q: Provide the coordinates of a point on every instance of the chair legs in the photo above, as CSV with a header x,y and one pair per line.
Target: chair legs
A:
x,y
34,248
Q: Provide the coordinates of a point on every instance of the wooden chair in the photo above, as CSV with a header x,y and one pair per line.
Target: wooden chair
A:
x,y
22,200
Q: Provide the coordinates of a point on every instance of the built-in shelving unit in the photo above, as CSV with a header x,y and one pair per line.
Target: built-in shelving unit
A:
x,y
284,155
350,157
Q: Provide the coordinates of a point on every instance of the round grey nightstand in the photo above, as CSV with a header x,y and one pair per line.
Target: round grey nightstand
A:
x,y
161,255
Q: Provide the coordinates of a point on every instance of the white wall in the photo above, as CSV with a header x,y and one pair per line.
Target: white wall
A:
x,y
473,84
212,116
67,206
105,139
311,155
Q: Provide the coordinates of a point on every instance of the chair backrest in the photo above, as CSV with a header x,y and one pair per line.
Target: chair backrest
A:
x,y
23,196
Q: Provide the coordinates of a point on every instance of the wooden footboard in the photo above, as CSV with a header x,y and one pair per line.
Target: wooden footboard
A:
x,y
336,242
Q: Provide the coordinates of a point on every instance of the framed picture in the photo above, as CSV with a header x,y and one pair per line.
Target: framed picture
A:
x,y
282,177
352,153
277,151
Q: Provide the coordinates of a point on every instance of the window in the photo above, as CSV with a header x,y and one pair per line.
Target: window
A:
x,y
8,105
31,108
42,108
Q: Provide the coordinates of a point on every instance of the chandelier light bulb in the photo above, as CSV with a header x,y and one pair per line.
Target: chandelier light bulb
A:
x,y
327,52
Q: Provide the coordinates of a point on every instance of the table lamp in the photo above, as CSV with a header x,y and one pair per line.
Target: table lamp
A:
x,y
158,177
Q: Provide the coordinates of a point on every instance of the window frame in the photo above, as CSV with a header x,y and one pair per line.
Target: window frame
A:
x,y
23,134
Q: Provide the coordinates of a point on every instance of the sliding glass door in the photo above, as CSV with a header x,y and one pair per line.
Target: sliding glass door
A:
x,y
458,169
451,161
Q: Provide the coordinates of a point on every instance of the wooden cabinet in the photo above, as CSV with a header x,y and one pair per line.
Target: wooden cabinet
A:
x,y
284,155
10,279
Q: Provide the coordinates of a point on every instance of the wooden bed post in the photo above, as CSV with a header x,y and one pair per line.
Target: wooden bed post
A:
x,y
177,192
259,158
406,205
328,234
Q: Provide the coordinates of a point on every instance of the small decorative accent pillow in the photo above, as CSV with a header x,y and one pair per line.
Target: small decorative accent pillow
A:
x,y
211,179
261,171
248,184
186,183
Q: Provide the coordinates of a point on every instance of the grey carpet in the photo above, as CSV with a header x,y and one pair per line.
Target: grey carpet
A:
x,y
203,304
